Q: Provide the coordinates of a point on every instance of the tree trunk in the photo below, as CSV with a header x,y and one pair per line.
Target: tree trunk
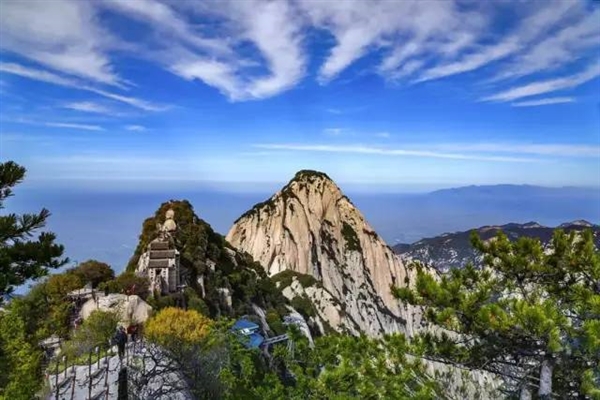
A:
x,y
545,391
525,392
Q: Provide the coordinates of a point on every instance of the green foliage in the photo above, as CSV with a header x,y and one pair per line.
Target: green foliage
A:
x,y
159,302
524,308
56,289
194,302
19,359
96,331
22,259
94,272
188,343
285,278
128,283
304,306
351,238
337,367
275,323
197,304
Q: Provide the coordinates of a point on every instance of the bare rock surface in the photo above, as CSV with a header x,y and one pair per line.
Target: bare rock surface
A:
x,y
312,228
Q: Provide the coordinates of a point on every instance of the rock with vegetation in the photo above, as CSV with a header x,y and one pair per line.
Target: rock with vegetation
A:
x,y
210,266
130,309
310,227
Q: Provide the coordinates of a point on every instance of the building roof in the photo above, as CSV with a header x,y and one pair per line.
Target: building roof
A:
x,y
161,263
158,254
254,340
244,324
158,245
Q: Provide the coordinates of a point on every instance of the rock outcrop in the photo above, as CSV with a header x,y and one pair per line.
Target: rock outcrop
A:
x,y
312,228
131,309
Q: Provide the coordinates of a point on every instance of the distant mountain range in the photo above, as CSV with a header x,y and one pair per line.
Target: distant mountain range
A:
x,y
451,250
403,218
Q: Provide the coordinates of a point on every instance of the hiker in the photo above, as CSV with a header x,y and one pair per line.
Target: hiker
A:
x,y
120,339
132,332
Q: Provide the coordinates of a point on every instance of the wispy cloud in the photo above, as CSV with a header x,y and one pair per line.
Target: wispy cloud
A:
x,y
551,85
50,77
61,34
85,127
135,128
544,102
56,124
540,149
90,107
383,135
213,58
410,41
561,48
360,149
333,131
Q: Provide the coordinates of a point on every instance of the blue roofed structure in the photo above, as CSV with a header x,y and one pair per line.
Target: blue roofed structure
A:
x,y
245,326
249,330
255,340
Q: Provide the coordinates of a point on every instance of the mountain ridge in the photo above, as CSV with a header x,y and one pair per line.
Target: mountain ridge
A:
x,y
452,250
312,228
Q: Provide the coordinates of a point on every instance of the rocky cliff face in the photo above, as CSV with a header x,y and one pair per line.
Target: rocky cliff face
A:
x,y
311,228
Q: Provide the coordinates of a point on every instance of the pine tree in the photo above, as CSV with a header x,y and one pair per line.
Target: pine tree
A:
x,y
528,315
22,259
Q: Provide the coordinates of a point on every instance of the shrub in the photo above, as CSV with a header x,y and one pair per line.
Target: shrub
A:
x,y
172,326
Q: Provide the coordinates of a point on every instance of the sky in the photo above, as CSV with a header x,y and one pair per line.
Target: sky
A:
x,y
137,94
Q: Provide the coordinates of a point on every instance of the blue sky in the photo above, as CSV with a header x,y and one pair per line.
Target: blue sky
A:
x,y
396,94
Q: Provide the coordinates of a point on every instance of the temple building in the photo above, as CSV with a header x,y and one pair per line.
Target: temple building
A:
x,y
160,262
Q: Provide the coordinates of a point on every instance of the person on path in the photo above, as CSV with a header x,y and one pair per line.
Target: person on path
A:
x,y
120,339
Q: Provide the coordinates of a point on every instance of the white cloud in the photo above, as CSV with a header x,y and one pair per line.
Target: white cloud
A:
x,y
49,77
272,28
545,149
132,101
255,49
135,128
383,135
38,74
54,124
168,21
472,61
405,27
551,85
73,126
360,149
333,131
62,34
539,22
88,106
561,48
544,102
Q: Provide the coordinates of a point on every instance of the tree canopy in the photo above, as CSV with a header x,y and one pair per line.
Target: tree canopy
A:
x,y
177,327
94,272
20,258
530,315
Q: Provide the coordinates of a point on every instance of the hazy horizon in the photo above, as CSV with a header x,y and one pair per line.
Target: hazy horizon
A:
x,y
105,224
